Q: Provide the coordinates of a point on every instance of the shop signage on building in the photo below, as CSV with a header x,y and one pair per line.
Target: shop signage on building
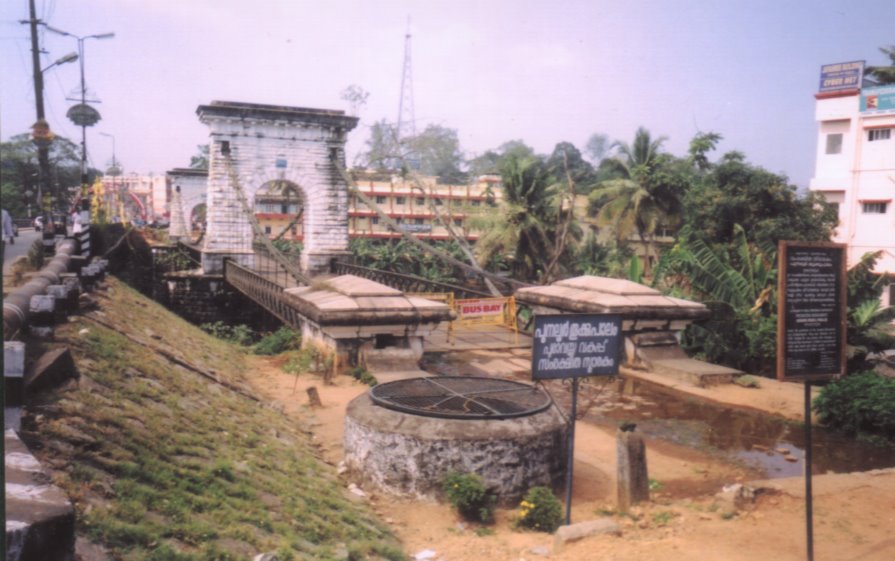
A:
x,y
841,76
879,99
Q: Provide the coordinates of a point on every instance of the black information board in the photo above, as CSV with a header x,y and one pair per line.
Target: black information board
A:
x,y
811,310
576,345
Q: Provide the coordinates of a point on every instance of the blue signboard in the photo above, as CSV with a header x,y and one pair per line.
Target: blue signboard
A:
x,y
841,76
880,99
575,345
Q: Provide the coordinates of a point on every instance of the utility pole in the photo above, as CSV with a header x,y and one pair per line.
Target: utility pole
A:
x,y
41,130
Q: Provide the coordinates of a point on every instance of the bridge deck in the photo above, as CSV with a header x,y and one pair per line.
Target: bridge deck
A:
x,y
266,283
481,337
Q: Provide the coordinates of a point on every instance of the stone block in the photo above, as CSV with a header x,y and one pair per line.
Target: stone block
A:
x,y
580,530
13,372
633,480
13,358
40,520
42,310
52,369
43,333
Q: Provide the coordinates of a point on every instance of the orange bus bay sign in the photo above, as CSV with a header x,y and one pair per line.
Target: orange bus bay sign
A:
x,y
482,308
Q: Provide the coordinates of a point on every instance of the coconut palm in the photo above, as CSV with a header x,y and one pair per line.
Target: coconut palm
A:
x,y
645,194
520,226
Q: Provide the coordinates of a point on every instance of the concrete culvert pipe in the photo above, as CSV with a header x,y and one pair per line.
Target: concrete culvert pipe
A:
x,y
17,303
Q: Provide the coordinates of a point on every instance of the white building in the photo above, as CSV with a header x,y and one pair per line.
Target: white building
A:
x,y
856,168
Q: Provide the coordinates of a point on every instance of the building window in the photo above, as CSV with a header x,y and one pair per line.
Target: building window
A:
x,y
380,200
476,202
438,202
874,208
420,201
879,134
458,222
267,229
399,220
834,143
374,220
401,200
419,221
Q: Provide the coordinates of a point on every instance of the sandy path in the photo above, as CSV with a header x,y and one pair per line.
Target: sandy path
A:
x,y
854,514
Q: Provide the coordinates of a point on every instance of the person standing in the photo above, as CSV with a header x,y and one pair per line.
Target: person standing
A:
x,y
8,231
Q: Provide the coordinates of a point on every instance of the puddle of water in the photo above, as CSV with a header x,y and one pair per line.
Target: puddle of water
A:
x,y
768,443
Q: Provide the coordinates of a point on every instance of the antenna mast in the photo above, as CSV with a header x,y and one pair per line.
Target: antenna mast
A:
x,y
406,119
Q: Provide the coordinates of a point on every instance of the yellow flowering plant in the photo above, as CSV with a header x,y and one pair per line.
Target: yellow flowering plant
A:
x,y
540,510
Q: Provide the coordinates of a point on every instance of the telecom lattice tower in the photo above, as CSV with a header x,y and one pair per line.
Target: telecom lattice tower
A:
x,y
406,127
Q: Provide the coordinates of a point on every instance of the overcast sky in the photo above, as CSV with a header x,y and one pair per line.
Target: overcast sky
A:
x,y
539,71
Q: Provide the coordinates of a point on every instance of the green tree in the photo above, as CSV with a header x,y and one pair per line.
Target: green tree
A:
x,y
436,152
700,146
520,227
19,167
646,195
884,74
565,160
738,284
598,148
734,192
200,159
382,147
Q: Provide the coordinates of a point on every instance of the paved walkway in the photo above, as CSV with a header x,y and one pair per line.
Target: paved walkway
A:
x,y
485,337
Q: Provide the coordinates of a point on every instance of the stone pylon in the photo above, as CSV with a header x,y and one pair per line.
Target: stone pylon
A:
x,y
177,228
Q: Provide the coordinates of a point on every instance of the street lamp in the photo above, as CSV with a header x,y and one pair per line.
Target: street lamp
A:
x,y
115,170
85,116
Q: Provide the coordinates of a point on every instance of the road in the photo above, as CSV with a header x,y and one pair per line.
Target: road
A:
x,y
21,246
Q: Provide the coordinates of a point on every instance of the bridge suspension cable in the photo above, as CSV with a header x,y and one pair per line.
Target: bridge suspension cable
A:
x,y
277,255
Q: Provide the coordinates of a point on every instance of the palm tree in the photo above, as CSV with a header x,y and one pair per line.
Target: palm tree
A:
x,y
884,74
520,225
644,196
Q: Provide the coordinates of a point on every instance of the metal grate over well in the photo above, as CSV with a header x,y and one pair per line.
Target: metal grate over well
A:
x,y
461,397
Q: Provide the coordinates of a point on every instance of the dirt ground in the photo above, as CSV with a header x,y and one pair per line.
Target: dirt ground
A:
x,y
854,514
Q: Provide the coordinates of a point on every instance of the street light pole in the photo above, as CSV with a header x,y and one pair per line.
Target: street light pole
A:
x,y
84,125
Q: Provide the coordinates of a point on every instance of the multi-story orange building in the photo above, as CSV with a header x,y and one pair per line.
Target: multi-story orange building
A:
x,y
420,208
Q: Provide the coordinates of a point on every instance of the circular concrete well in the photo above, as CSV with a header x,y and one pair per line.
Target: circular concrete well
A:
x,y
404,437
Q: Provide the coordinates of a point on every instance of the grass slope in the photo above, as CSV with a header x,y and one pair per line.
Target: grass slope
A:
x,y
165,464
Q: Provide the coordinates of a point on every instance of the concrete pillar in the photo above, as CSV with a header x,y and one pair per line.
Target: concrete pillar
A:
x,y
259,144
177,227
633,479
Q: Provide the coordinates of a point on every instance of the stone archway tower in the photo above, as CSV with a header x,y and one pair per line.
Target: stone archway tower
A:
x,y
268,143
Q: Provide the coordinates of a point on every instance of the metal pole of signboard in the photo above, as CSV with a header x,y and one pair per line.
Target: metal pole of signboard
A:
x,y
809,502
571,456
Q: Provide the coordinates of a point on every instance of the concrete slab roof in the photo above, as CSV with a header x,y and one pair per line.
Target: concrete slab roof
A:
x,y
352,300
601,295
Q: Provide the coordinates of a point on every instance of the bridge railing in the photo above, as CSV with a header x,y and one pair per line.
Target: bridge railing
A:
x,y
258,287
405,283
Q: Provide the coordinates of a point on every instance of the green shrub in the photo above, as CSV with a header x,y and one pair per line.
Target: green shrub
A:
x,y
362,375
283,339
239,334
468,494
540,510
862,403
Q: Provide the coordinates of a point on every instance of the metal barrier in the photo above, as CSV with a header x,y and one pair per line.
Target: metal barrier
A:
x,y
488,311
